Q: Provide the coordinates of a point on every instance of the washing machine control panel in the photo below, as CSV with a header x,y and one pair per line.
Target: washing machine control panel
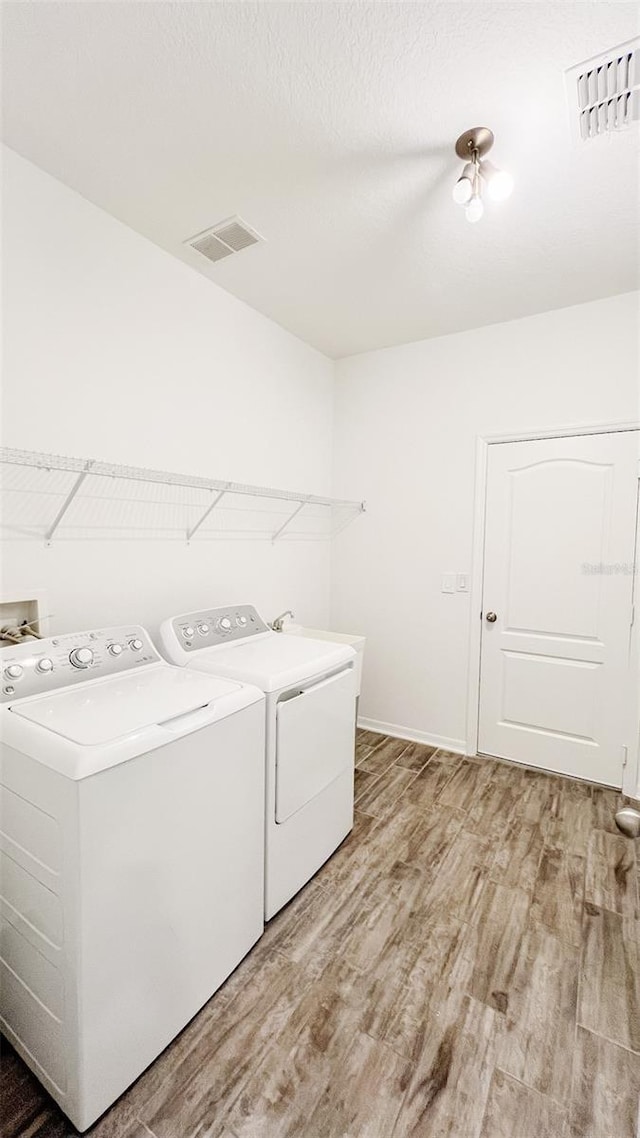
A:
x,y
39,666
216,626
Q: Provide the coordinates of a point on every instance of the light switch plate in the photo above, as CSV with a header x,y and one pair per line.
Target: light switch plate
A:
x,y
463,582
448,582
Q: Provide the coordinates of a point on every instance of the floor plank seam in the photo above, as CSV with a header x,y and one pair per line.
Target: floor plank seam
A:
x,y
385,1043
561,1102
375,779
144,1127
608,1039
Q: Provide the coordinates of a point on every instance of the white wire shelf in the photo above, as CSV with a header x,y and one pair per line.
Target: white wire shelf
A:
x,y
47,496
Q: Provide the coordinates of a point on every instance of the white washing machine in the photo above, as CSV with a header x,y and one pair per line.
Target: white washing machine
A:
x,y
131,854
310,689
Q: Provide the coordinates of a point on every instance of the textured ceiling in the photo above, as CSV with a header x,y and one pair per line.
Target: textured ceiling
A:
x,y
329,127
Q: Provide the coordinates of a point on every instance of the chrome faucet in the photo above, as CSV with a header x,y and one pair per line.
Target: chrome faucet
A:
x,y
278,624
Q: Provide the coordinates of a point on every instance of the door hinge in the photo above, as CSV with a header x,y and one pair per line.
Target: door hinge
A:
x,y
625,756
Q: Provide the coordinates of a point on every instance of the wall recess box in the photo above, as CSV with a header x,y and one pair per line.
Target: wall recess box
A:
x,y
31,607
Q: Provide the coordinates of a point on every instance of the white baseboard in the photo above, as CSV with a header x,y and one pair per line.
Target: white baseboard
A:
x,y
457,745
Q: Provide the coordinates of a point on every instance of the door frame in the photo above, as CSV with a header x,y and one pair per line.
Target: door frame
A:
x,y
631,773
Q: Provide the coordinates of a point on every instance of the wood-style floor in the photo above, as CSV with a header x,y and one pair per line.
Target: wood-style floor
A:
x,y
467,965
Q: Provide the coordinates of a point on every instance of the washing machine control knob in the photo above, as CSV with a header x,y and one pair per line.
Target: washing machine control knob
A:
x,y
115,649
81,657
203,628
135,644
242,620
187,632
225,624
14,671
44,665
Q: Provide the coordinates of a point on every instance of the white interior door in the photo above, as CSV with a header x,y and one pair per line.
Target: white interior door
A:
x,y
556,682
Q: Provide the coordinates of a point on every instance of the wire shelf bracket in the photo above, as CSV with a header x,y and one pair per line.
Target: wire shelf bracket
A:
x,y
284,525
67,502
203,517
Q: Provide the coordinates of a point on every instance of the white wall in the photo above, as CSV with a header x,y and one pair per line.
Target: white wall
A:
x,y
405,429
115,350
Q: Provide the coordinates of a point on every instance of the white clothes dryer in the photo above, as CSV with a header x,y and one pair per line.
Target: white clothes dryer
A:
x,y
131,855
310,729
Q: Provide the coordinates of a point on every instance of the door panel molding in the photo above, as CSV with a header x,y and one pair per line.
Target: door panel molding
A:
x,y
631,774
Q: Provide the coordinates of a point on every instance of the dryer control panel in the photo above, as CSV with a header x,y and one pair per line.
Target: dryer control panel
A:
x,y
216,626
40,666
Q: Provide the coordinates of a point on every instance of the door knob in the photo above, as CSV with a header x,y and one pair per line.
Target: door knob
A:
x,y
492,617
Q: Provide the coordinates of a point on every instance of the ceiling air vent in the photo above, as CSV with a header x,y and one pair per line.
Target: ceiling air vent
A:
x,y
223,239
604,92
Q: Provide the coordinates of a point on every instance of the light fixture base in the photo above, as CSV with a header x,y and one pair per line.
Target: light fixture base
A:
x,y
479,138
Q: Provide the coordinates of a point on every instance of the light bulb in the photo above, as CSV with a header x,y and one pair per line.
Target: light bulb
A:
x,y
474,209
463,188
462,191
501,186
499,183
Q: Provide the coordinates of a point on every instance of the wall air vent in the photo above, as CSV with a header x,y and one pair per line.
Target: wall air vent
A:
x,y
223,239
604,92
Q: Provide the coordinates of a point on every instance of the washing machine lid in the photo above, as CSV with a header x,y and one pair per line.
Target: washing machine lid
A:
x,y
103,711
272,661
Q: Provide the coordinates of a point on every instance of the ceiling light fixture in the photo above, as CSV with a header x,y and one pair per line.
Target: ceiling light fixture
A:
x,y
472,146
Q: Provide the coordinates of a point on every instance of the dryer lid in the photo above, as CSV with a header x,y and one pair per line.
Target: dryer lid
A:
x,y
103,711
272,661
